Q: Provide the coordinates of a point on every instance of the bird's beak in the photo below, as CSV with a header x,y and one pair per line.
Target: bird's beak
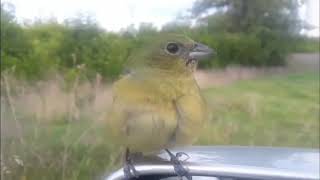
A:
x,y
200,51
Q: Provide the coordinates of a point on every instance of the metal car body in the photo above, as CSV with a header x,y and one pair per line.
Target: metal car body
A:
x,y
233,162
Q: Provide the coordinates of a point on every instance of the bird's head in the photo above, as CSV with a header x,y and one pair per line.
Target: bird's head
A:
x,y
171,53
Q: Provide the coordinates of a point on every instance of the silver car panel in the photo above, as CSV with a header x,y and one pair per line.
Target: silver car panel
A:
x,y
238,161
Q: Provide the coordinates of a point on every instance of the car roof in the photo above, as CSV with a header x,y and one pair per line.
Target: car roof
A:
x,y
237,161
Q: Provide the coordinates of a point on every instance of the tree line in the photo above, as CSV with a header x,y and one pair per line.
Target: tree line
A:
x,y
243,32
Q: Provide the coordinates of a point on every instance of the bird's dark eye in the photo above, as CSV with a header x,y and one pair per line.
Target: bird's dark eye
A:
x,y
172,48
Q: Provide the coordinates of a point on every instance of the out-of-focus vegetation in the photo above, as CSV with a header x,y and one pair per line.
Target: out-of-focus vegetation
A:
x,y
244,32
305,45
51,134
275,111
35,50
53,93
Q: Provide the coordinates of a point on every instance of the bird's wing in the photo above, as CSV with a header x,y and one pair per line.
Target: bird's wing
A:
x,y
192,114
140,118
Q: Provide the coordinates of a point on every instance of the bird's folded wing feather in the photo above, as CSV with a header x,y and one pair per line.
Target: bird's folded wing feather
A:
x,y
192,115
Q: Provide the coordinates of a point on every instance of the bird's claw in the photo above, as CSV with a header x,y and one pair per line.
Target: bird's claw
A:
x,y
128,169
177,165
180,154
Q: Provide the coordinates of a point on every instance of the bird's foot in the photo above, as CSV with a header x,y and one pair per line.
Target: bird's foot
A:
x,y
177,164
128,169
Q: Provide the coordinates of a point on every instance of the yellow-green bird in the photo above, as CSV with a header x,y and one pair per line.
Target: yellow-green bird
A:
x,y
158,104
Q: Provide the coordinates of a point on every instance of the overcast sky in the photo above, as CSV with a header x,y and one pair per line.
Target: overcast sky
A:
x,y
116,14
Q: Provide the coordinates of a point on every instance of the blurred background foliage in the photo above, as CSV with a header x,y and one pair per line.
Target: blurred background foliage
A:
x,y
53,98
243,32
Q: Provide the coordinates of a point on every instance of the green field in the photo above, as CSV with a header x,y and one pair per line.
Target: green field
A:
x,y
275,111
270,111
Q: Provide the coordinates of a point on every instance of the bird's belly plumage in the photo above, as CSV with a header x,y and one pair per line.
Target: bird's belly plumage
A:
x,y
150,131
149,126
145,118
150,117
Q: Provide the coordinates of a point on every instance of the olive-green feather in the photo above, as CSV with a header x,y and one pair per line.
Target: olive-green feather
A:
x,y
158,105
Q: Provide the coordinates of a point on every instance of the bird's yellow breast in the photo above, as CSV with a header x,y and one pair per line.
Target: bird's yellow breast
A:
x,y
150,113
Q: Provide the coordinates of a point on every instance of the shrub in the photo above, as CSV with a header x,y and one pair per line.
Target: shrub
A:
x,y
258,48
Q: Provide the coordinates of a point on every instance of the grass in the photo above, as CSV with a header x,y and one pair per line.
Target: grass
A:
x,y
305,45
273,111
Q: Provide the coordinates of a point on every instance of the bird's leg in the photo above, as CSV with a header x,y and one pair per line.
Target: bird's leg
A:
x,y
129,170
177,164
